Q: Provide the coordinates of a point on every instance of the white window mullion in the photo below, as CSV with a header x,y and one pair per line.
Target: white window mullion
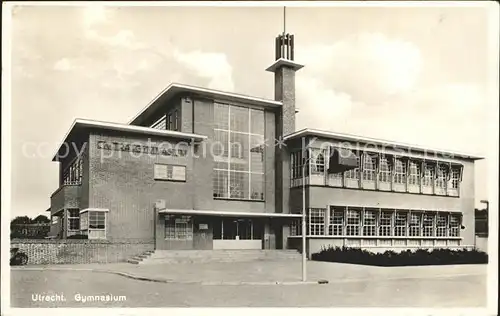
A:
x,y
229,152
249,155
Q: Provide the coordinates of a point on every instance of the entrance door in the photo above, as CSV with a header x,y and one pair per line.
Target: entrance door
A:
x,y
202,236
237,233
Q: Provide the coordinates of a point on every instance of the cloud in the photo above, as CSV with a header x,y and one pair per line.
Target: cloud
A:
x,y
319,106
63,64
94,15
208,65
370,67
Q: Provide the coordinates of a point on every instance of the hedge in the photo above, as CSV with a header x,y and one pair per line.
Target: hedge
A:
x,y
419,257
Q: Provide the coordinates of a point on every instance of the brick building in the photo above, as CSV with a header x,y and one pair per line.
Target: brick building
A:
x,y
205,169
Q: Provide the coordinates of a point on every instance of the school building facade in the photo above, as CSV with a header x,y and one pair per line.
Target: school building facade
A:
x,y
205,169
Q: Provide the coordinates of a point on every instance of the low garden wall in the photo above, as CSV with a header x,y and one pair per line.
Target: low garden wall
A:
x,y
71,251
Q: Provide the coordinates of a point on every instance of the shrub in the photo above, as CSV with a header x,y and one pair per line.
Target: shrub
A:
x,y
407,257
78,237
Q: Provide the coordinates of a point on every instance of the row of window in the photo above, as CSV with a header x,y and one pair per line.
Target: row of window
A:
x,y
355,221
91,223
74,172
440,176
239,153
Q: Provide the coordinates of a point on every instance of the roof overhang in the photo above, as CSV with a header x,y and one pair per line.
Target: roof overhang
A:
x,y
284,63
81,125
228,213
175,89
374,141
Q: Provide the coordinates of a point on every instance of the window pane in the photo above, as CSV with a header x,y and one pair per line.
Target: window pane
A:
x,y
415,219
384,170
257,122
220,184
239,150
239,117
385,226
400,223
220,145
317,221
256,186
336,221
238,185
257,148
369,167
399,171
221,116
353,173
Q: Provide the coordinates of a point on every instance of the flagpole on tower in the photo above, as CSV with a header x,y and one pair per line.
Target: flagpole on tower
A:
x,y
284,20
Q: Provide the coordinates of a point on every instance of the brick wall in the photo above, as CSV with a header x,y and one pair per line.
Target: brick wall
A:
x,y
79,251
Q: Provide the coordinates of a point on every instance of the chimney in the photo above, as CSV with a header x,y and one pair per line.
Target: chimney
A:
x,y
284,69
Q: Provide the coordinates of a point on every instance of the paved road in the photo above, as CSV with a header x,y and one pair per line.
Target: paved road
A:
x,y
457,291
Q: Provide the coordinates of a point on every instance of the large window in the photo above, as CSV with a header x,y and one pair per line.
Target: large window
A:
x,y
93,223
73,220
336,221
369,223
455,178
353,222
169,172
72,175
441,177
414,173
415,223
297,164
400,223
399,171
369,167
317,221
428,174
239,149
441,225
385,224
428,225
178,227
455,220
353,173
317,161
384,173
295,228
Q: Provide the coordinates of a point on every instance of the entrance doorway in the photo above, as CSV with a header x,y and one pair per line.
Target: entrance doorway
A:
x,y
238,233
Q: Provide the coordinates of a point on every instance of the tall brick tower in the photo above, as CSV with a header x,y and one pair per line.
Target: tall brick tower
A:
x,y
284,69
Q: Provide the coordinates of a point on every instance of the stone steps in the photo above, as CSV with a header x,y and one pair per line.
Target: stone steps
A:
x,y
207,256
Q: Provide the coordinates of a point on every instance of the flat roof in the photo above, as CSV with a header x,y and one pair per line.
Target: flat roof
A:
x,y
355,138
177,88
81,124
226,213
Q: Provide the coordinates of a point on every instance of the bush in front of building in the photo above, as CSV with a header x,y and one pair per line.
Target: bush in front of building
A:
x,y
78,236
439,256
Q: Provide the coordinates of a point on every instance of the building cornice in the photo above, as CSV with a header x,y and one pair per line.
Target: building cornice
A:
x,y
177,88
82,124
307,132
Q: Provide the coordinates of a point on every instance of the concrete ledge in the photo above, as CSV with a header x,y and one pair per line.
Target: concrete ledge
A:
x,y
171,281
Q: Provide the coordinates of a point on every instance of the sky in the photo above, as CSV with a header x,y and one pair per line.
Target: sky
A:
x,y
413,75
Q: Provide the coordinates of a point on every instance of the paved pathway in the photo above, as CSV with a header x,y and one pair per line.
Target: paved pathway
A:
x,y
266,272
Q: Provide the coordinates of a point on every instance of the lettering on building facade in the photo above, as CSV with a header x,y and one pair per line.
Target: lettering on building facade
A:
x,y
166,150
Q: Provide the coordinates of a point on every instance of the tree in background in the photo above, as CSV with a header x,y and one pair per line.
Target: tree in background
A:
x,y
25,227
